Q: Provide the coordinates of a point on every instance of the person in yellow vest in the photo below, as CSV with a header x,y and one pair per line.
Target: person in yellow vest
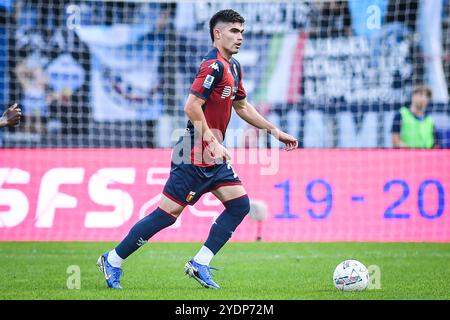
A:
x,y
411,127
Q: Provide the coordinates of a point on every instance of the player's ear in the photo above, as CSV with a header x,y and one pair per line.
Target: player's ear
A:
x,y
217,34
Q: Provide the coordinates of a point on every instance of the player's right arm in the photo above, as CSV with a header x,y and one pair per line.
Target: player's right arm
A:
x,y
11,116
194,111
395,132
207,78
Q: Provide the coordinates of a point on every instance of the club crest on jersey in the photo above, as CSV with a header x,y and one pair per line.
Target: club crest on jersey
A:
x,y
214,66
190,196
208,81
235,69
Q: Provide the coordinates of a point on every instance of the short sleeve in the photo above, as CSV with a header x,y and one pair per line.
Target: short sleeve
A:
x,y
397,123
240,94
208,76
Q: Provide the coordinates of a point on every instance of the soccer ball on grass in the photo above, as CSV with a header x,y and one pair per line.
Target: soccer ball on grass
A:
x,y
351,275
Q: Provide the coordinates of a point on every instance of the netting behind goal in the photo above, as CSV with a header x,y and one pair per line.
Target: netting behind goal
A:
x,y
102,86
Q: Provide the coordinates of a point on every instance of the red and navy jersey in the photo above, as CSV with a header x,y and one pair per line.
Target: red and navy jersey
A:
x,y
219,83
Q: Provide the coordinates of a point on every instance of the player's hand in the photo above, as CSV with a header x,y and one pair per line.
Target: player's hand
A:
x,y
290,142
12,115
215,152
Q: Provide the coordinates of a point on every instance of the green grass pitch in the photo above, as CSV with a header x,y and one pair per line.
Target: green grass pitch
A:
x,y
274,271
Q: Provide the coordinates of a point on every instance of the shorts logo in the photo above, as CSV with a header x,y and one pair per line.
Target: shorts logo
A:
x,y
190,196
226,92
214,66
208,81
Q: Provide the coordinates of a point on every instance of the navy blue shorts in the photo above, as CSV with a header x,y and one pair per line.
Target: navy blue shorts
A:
x,y
187,183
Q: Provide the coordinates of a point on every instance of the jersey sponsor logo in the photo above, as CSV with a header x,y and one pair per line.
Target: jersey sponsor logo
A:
x,y
208,81
190,196
226,92
214,66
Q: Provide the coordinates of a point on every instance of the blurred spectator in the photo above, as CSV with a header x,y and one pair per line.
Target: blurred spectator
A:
x,y
50,68
68,112
33,82
332,20
411,127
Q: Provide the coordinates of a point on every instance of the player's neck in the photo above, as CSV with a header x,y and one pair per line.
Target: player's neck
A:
x,y
223,52
417,111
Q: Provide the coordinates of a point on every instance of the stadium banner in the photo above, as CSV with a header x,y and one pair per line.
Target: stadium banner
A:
x,y
354,73
124,71
358,70
332,195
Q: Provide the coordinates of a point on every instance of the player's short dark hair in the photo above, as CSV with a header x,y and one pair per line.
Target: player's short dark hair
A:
x,y
228,16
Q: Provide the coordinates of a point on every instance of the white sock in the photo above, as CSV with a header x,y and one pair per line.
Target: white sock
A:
x,y
204,256
114,259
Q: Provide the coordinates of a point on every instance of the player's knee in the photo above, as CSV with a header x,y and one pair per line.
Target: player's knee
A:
x,y
170,206
175,212
239,206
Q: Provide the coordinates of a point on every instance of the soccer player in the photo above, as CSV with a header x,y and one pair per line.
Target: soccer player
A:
x,y
199,161
11,116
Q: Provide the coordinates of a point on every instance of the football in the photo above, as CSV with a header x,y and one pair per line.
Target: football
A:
x,y
258,210
351,275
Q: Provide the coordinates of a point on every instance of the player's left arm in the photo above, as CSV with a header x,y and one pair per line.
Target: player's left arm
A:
x,y
249,114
